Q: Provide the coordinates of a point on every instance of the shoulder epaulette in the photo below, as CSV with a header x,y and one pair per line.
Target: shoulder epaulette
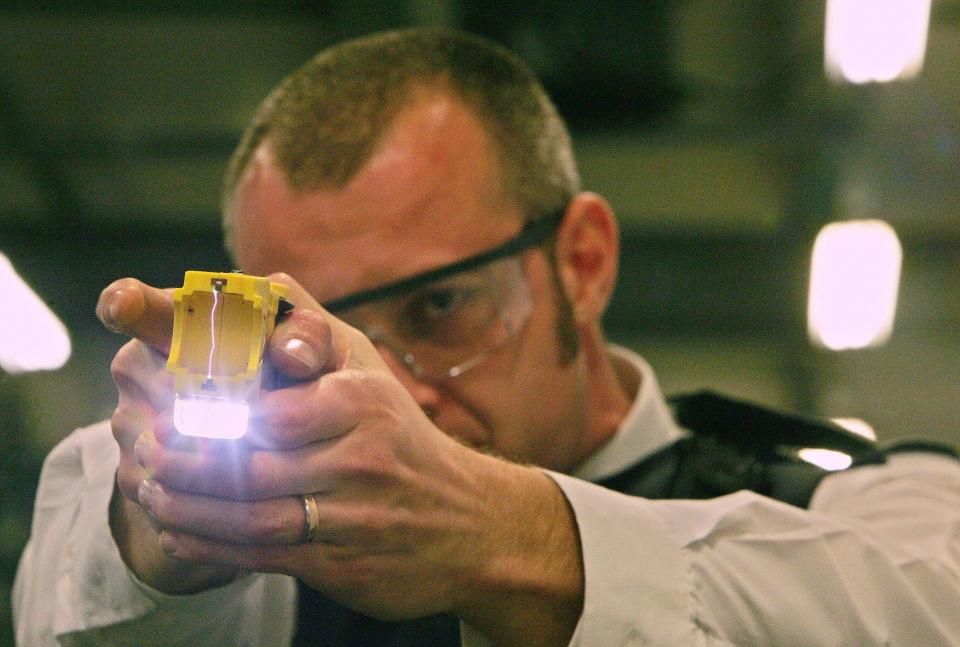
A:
x,y
766,432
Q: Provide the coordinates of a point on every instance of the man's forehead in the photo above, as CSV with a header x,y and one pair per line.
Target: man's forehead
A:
x,y
390,203
415,206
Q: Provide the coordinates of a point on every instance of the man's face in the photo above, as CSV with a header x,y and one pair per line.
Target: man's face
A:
x,y
429,196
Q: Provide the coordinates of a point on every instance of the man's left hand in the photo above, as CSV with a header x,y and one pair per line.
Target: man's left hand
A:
x,y
411,522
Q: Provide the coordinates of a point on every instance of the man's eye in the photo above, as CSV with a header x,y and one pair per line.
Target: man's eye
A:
x,y
443,302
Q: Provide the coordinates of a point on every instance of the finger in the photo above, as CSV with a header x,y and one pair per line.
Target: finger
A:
x,y
280,558
301,346
230,469
281,520
270,521
297,295
326,408
130,475
132,417
354,519
350,347
133,308
140,374
128,422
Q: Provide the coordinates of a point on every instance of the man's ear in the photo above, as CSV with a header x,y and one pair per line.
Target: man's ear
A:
x,y
587,249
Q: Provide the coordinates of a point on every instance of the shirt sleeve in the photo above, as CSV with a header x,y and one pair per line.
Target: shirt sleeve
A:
x,y
73,588
874,561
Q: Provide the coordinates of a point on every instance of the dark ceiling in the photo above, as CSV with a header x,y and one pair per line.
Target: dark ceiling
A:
x,y
708,124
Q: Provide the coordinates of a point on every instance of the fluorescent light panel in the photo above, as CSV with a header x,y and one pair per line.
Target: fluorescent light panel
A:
x,y
32,338
854,279
875,40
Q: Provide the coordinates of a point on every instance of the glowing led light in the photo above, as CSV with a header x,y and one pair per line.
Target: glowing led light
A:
x,y
875,40
211,417
857,426
854,278
31,336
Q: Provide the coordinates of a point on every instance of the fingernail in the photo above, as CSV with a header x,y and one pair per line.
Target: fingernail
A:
x,y
112,310
168,544
302,352
141,451
147,493
108,314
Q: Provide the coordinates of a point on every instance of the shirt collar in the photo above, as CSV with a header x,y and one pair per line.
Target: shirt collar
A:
x,y
647,427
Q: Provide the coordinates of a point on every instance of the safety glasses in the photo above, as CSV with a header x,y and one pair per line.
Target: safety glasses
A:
x,y
443,322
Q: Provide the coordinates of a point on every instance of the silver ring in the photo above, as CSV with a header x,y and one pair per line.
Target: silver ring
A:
x,y
311,519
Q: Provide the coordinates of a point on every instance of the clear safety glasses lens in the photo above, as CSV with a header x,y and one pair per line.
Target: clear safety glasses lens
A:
x,y
444,328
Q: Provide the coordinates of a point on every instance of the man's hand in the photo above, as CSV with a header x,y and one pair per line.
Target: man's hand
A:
x,y
411,521
144,388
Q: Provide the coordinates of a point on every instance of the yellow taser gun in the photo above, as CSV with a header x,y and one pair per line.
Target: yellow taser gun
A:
x,y
221,323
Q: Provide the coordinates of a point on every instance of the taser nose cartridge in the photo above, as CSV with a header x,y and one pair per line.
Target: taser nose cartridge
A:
x,y
221,322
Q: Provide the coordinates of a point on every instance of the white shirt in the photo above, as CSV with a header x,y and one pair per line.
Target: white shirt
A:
x,y
874,561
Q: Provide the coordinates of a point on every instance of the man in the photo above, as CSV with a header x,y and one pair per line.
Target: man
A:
x,y
408,468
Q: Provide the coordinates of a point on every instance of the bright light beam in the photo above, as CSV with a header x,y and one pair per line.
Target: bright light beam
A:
x,y
32,338
854,279
875,40
211,417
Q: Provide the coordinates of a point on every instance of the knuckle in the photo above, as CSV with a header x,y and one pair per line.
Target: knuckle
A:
x,y
351,385
358,339
310,319
120,366
119,422
163,512
127,423
123,419
130,363
281,277
128,480
371,461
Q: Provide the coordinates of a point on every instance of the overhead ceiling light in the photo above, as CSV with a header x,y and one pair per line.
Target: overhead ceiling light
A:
x,y
875,40
828,459
854,279
31,336
857,426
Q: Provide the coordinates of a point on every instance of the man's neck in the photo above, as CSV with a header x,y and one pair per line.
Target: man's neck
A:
x,y
612,387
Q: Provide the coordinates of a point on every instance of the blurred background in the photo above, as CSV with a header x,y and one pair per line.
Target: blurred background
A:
x,y
713,127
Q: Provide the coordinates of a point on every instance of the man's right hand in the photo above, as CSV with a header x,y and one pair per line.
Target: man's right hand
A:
x,y
145,388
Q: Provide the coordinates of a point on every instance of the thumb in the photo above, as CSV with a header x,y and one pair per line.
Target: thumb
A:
x,y
133,308
311,341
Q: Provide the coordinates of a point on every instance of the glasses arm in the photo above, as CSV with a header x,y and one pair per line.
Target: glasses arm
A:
x,y
533,233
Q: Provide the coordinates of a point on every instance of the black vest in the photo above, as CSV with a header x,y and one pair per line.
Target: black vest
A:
x,y
732,446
